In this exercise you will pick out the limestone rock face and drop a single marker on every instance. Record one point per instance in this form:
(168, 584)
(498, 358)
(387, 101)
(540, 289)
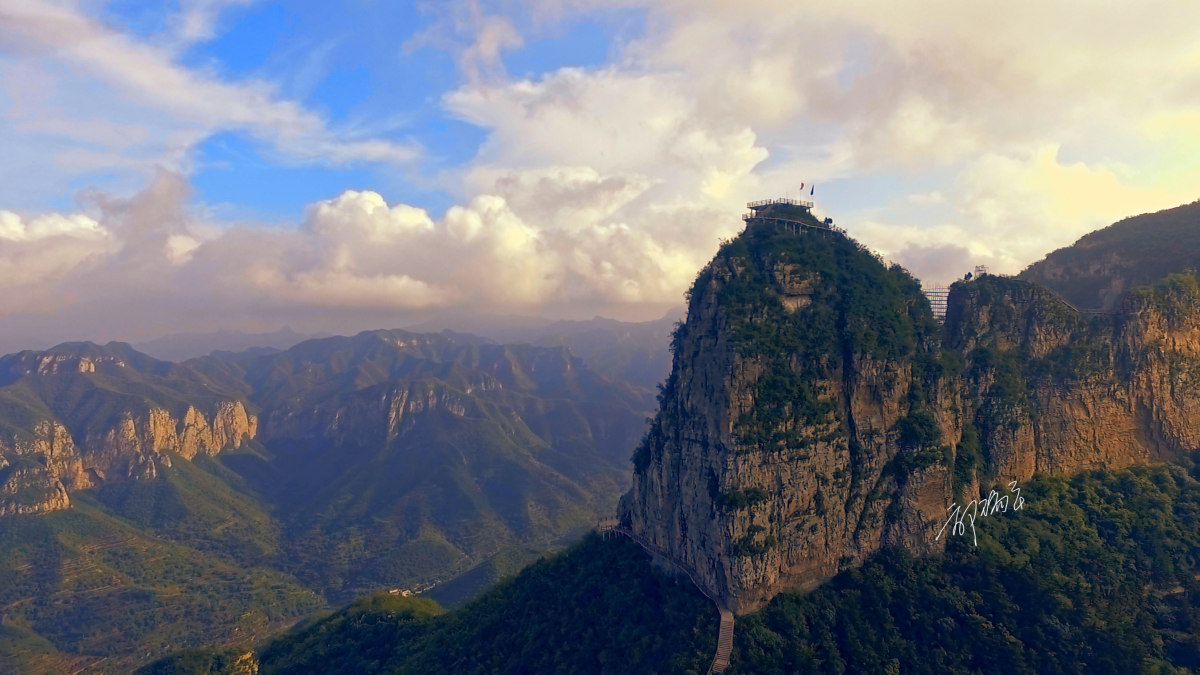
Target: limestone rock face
(135, 446)
(774, 468)
(79, 414)
(39, 470)
(1052, 390)
(813, 415)
(246, 663)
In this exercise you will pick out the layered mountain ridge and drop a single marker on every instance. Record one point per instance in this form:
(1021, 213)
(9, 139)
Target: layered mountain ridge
(815, 413)
(81, 414)
(430, 453)
(388, 459)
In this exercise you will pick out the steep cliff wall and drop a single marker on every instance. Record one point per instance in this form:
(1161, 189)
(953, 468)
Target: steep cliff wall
(814, 414)
(1053, 390)
(38, 470)
(81, 414)
(137, 443)
(796, 433)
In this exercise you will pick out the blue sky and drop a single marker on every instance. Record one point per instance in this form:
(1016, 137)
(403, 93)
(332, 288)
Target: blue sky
(338, 165)
(363, 64)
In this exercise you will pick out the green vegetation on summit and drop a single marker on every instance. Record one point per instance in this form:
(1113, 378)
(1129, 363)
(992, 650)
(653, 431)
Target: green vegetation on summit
(854, 306)
(860, 304)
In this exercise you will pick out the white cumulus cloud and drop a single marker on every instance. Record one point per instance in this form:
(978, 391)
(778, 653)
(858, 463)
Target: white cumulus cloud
(947, 134)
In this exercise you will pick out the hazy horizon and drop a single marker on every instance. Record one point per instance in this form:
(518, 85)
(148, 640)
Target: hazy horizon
(490, 326)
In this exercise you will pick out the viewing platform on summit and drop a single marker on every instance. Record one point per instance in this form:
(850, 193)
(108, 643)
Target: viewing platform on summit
(778, 201)
(795, 215)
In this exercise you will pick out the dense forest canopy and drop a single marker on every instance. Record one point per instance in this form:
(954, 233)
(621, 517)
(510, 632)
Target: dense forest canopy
(1097, 574)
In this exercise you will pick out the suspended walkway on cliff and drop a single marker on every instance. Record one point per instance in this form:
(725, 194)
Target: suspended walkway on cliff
(724, 643)
(720, 662)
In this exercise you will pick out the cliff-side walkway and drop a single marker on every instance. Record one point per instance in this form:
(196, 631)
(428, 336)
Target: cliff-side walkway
(725, 633)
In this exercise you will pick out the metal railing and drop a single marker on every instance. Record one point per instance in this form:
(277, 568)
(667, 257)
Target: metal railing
(799, 223)
(779, 200)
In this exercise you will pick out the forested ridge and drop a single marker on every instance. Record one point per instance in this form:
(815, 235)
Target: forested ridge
(1097, 574)
(1094, 272)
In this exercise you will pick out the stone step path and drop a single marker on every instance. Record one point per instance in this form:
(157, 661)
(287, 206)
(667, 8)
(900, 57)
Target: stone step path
(724, 643)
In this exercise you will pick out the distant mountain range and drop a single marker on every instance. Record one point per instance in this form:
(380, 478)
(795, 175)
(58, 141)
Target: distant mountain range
(339, 465)
(184, 346)
(623, 350)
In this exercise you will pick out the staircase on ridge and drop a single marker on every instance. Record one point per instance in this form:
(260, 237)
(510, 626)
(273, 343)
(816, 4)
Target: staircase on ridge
(724, 643)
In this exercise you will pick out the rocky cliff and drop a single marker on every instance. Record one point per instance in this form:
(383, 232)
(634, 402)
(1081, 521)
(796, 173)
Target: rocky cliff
(137, 443)
(815, 414)
(796, 432)
(38, 470)
(79, 415)
(1048, 389)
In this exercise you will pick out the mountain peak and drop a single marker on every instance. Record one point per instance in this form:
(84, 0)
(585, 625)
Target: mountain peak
(816, 413)
(77, 357)
(774, 455)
